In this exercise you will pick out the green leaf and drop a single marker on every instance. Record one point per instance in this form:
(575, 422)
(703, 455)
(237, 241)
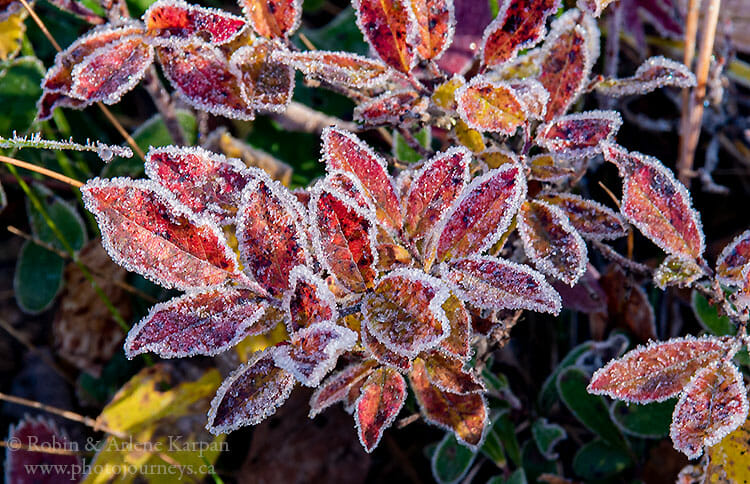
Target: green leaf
(493, 447)
(451, 460)
(647, 421)
(151, 133)
(518, 477)
(534, 463)
(404, 152)
(38, 278)
(340, 34)
(505, 432)
(63, 215)
(709, 316)
(598, 460)
(20, 82)
(548, 394)
(590, 410)
(547, 436)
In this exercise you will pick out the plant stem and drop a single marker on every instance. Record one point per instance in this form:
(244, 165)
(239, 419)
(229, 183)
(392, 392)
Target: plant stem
(42, 171)
(164, 105)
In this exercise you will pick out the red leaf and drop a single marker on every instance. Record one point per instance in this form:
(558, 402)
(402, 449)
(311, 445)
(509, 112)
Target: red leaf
(344, 151)
(440, 181)
(313, 351)
(655, 202)
(551, 242)
(391, 255)
(658, 371)
(391, 30)
(273, 18)
(448, 374)
(580, 134)
(566, 64)
(26, 466)
(533, 96)
(271, 235)
(249, 395)
(207, 183)
(205, 323)
(592, 220)
(51, 100)
(344, 239)
(337, 68)
(202, 75)
(267, 84)
(381, 352)
(519, 25)
(405, 312)
(480, 216)
(594, 7)
(654, 73)
(172, 20)
(464, 415)
(435, 23)
(491, 283)
(458, 341)
(733, 260)
(337, 386)
(713, 405)
(111, 71)
(381, 399)
(397, 108)
(490, 106)
(146, 231)
(308, 301)
(548, 168)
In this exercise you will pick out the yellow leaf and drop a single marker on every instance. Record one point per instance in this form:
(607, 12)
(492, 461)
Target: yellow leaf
(445, 94)
(11, 35)
(728, 460)
(468, 137)
(253, 344)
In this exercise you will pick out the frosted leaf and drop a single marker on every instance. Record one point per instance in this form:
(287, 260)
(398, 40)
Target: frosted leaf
(594, 7)
(170, 20)
(49, 101)
(490, 106)
(392, 108)
(381, 399)
(343, 237)
(551, 242)
(565, 64)
(337, 68)
(495, 157)
(344, 151)
(382, 354)
(458, 342)
(203, 76)
(145, 230)
(654, 73)
(337, 386)
(479, 216)
(111, 70)
(405, 312)
(534, 97)
(313, 351)
(391, 29)
(26, 466)
(273, 18)
(206, 182)
(518, 25)
(434, 187)
(656, 372)
(391, 254)
(492, 283)
(579, 135)
(266, 84)
(659, 205)
(448, 374)
(308, 301)
(444, 95)
(548, 168)
(676, 271)
(272, 238)
(713, 405)
(733, 260)
(249, 395)
(592, 220)
(525, 66)
(464, 415)
(204, 323)
(436, 22)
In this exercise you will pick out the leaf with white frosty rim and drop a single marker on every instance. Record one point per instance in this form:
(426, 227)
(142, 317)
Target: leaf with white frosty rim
(492, 106)
(273, 18)
(338, 68)
(491, 283)
(448, 374)
(655, 72)
(713, 405)
(205, 323)
(580, 134)
(391, 29)
(533, 96)
(266, 84)
(395, 108)
(551, 242)
(436, 23)
(381, 353)
(249, 395)
(658, 371)
(336, 387)
(308, 300)
(381, 399)
(592, 220)
(733, 260)
(405, 311)
(146, 230)
(458, 342)
(170, 21)
(313, 351)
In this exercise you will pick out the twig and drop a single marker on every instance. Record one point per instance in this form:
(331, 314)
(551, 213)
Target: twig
(41, 25)
(299, 117)
(306, 41)
(164, 105)
(414, 143)
(609, 253)
(40, 170)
